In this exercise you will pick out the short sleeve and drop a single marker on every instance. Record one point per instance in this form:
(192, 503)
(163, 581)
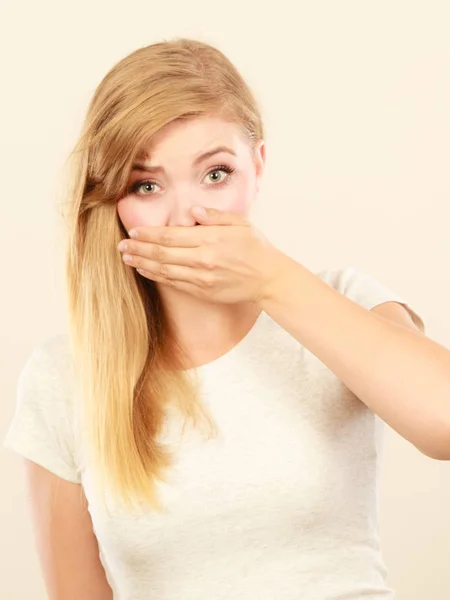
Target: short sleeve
(365, 290)
(42, 429)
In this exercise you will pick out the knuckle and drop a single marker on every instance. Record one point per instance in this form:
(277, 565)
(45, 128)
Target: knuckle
(158, 253)
(163, 270)
(207, 280)
(166, 238)
(207, 262)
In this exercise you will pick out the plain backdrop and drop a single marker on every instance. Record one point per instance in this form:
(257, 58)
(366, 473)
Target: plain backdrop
(355, 96)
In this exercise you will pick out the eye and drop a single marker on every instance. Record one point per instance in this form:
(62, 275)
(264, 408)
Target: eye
(218, 175)
(144, 188)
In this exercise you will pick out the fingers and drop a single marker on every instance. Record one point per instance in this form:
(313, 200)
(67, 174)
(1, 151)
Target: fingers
(174, 275)
(189, 257)
(172, 266)
(165, 273)
(164, 263)
(212, 216)
(183, 286)
(187, 237)
(181, 237)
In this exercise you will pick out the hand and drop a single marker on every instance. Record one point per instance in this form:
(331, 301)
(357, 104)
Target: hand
(223, 259)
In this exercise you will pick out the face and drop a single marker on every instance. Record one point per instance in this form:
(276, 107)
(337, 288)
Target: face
(204, 161)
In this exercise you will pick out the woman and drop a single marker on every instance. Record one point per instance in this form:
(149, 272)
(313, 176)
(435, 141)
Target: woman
(178, 331)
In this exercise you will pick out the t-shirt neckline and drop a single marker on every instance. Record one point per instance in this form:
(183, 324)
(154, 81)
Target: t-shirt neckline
(241, 345)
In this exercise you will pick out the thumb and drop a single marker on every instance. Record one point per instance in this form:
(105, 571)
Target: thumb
(212, 216)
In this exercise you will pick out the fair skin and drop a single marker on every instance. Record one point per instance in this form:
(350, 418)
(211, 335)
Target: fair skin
(381, 355)
(66, 542)
(179, 176)
(214, 280)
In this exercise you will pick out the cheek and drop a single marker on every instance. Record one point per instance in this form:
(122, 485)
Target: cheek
(240, 197)
(134, 213)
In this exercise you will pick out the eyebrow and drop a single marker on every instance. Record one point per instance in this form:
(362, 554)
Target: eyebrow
(197, 161)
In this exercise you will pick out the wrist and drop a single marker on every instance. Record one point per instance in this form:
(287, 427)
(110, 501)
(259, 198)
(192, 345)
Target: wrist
(281, 270)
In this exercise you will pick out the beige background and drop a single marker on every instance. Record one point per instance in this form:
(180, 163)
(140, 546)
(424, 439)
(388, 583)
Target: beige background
(356, 99)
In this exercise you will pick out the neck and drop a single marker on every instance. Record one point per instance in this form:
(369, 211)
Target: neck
(206, 330)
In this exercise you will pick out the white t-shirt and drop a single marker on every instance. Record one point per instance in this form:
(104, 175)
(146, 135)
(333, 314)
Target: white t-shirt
(282, 505)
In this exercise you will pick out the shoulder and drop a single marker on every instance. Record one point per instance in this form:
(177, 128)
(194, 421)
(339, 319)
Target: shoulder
(340, 278)
(49, 365)
(43, 426)
(366, 290)
(54, 349)
(359, 286)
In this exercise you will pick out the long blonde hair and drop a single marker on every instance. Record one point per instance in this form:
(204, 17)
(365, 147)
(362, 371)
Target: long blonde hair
(125, 354)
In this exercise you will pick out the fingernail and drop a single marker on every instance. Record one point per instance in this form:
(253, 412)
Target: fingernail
(133, 233)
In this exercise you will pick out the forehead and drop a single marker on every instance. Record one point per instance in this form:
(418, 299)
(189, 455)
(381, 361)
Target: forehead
(188, 137)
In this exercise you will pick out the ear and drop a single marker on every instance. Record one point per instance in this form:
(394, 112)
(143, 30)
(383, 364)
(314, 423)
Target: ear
(260, 161)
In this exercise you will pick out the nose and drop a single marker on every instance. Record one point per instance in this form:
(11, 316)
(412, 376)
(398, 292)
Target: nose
(180, 212)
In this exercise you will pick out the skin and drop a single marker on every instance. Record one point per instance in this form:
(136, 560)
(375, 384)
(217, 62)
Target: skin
(380, 354)
(215, 279)
(67, 546)
(178, 183)
(65, 540)
(205, 329)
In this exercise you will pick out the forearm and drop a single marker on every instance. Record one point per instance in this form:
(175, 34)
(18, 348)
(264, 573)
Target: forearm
(400, 374)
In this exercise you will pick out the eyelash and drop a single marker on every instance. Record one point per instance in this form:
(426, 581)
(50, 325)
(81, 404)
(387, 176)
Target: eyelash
(229, 170)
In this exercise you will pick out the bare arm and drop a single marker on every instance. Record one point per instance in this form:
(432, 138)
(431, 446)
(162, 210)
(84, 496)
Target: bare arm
(66, 544)
(379, 354)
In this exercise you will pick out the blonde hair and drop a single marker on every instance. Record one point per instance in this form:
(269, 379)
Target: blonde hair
(126, 358)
